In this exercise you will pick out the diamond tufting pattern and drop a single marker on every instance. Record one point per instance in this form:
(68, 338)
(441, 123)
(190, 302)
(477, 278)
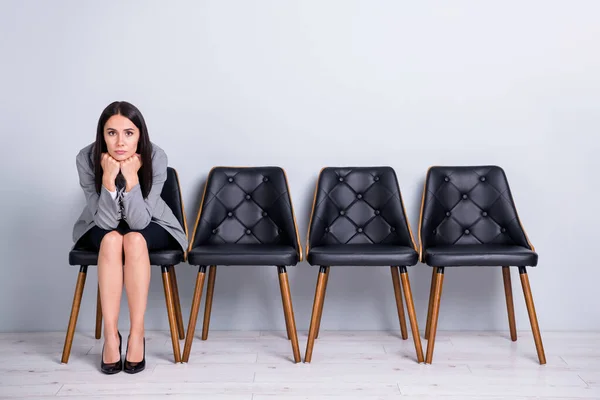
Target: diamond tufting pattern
(358, 219)
(468, 217)
(241, 209)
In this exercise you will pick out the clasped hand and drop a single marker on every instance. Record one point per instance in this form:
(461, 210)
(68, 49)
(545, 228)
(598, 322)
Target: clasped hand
(129, 168)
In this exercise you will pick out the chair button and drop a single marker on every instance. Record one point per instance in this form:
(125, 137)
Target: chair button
(248, 197)
(377, 212)
(264, 213)
(230, 180)
(467, 231)
(448, 213)
(266, 179)
(482, 179)
(342, 212)
(230, 214)
(248, 231)
(326, 229)
(341, 179)
(433, 232)
(214, 231)
(376, 179)
(484, 214)
(359, 196)
(503, 230)
(464, 196)
(393, 229)
(359, 230)
(447, 179)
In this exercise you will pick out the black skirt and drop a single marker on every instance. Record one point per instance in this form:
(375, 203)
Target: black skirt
(157, 238)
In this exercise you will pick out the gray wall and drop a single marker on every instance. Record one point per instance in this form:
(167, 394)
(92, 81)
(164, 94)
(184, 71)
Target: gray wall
(302, 85)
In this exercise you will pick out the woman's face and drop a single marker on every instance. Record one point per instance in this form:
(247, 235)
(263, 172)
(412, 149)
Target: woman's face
(121, 137)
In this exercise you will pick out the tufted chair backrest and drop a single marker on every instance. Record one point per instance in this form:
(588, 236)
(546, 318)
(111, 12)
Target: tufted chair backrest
(246, 206)
(358, 205)
(171, 194)
(469, 205)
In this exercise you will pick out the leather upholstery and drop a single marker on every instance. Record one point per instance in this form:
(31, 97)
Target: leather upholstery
(489, 255)
(363, 254)
(358, 219)
(244, 254)
(171, 194)
(246, 218)
(468, 218)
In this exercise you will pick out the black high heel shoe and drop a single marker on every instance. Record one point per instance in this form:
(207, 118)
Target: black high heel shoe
(112, 368)
(134, 367)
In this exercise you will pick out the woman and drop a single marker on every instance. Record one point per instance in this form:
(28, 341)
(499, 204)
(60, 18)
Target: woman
(122, 176)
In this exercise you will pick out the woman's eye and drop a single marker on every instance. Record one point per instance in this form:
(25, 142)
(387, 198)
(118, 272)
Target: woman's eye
(129, 133)
(111, 133)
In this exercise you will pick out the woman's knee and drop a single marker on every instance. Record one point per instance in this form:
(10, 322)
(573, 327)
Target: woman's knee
(134, 242)
(112, 240)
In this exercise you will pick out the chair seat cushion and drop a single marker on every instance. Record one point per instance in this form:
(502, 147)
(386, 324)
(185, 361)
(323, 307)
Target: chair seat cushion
(243, 254)
(161, 257)
(83, 257)
(487, 255)
(362, 255)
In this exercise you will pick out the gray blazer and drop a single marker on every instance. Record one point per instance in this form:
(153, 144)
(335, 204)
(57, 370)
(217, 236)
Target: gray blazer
(103, 211)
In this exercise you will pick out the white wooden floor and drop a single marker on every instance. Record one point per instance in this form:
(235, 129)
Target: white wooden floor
(345, 366)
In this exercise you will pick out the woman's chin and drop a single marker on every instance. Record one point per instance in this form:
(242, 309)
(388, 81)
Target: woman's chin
(120, 157)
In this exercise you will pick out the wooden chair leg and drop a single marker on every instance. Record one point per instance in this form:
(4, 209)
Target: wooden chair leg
(322, 303)
(178, 316)
(289, 310)
(194, 313)
(319, 295)
(532, 315)
(74, 313)
(98, 315)
(285, 314)
(439, 281)
(210, 290)
(430, 307)
(399, 306)
(509, 303)
(171, 311)
(412, 316)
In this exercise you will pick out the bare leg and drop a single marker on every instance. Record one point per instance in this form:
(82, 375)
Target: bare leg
(137, 284)
(110, 282)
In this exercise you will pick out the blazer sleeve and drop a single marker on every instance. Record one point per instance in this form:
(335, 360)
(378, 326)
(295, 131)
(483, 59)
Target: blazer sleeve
(102, 206)
(139, 211)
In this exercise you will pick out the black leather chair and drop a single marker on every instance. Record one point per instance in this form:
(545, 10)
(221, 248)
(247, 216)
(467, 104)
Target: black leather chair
(469, 218)
(245, 218)
(358, 219)
(167, 259)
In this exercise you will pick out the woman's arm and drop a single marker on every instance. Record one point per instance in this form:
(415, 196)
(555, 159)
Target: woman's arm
(138, 211)
(102, 206)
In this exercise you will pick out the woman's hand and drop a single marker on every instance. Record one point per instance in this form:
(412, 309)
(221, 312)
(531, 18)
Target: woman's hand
(110, 168)
(129, 169)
